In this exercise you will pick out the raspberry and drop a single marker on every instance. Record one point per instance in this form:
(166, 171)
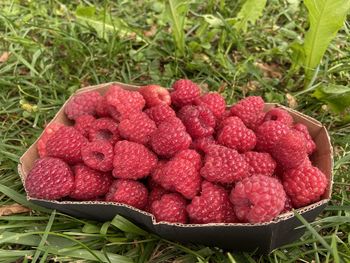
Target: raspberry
(203, 144)
(102, 108)
(198, 120)
(212, 206)
(304, 185)
(250, 111)
(184, 92)
(169, 138)
(260, 163)
(155, 95)
(170, 208)
(213, 101)
(82, 104)
(128, 192)
(160, 113)
(232, 120)
(290, 150)
(224, 165)
(310, 144)
(104, 129)
(268, 134)
(156, 193)
(122, 103)
(83, 124)
(180, 175)
(157, 174)
(237, 136)
(192, 156)
(89, 184)
(45, 136)
(288, 206)
(98, 155)
(138, 127)
(50, 178)
(132, 160)
(258, 199)
(277, 114)
(66, 144)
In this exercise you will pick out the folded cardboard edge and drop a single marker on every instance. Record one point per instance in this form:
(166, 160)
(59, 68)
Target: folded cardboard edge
(278, 219)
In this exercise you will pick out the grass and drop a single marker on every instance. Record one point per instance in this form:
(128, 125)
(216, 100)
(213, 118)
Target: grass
(57, 47)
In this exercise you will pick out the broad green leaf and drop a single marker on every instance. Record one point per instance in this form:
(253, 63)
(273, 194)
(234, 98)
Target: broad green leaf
(126, 226)
(336, 96)
(326, 17)
(250, 12)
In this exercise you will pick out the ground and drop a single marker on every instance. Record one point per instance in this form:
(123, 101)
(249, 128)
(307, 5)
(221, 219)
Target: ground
(49, 49)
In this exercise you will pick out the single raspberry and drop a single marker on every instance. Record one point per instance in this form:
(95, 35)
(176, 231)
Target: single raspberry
(104, 129)
(224, 165)
(128, 192)
(277, 114)
(155, 95)
(121, 103)
(268, 133)
(212, 206)
(155, 194)
(89, 184)
(50, 178)
(249, 110)
(304, 185)
(180, 175)
(290, 150)
(170, 208)
(203, 144)
(45, 136)
(232, 120)
(82, 104)
(98, 155)
(238, 137)
(169, 138)
(226, 114)
(132, 160)
(198, 120)
(260, 163)
(310, 144)
(213, 101)
(66, 144)
(160, 113)
(184, 92)
(192, 156)
(83, 124)
(138, 127)
(102, 108)
(258, 199)
(155, 179)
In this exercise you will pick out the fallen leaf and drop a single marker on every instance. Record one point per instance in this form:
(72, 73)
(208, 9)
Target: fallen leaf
(151, 32)
(6, 210)
(269, 70)
(4, 56)
(251, 85)
(292, 102)
(222, 87)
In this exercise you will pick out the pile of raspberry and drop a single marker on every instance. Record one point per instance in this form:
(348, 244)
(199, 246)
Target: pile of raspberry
(179, 155)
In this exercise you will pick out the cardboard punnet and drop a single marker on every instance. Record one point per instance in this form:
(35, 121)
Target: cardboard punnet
(243, 237)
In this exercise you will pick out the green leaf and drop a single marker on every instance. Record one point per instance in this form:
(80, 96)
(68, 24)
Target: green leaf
(336, 96)
(126, 226)
(326, 17)
(250, 12)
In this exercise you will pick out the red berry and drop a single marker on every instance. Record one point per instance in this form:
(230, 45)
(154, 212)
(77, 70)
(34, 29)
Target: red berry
(310, 144)
(268, 134)
(155, 194)
(155, 180)
(184, 92)
(83, 124)
(288, 206)
(250, 111)
(212, 206)
(281, 115)
(98, 155)
(192, 156)
(83, 103)
(213, 101)
(121, 103)
(260, 163)
(50, 178)
(203, 144)
(232, 120)
(258, 199)
(102, 108)
(89, 184)
(198, 120)
(304, 185)
(170, 208)
(128, 192)
(160, 113)
(138, 127)
(104, 129)
(132, 160)
(224, 165)
(66, 144)
(155, 95)
(45, 136)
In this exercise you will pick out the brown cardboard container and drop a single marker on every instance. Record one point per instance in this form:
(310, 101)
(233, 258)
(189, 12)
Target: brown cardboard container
(241, 237)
